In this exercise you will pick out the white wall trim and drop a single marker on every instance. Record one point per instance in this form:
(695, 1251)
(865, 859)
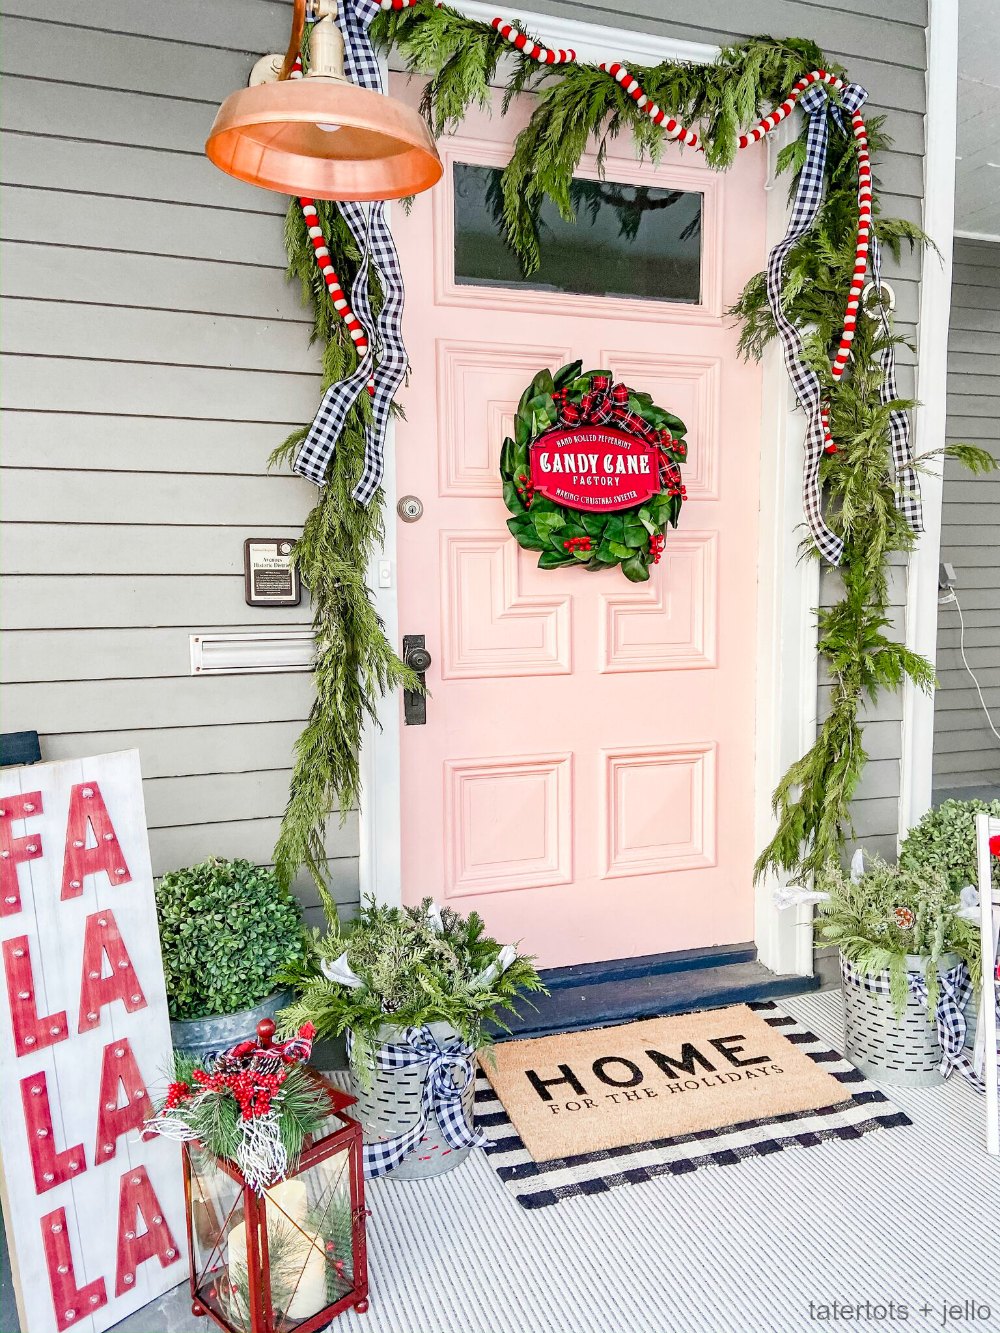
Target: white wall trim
(787, 595)
(380, 858)
(380, 854)
(940, 125)
(594, 42)
(978, 236)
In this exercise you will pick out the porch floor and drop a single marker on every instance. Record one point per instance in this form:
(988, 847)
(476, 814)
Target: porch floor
(904, 1214)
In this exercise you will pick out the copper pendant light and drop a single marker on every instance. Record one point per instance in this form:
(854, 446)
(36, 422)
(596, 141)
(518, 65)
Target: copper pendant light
(321, 135)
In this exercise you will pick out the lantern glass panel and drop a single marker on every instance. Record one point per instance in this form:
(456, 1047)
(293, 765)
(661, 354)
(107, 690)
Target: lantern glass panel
(216, 1208)
(309, 1262)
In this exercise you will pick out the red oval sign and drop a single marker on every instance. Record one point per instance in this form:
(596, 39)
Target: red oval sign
(594, 467)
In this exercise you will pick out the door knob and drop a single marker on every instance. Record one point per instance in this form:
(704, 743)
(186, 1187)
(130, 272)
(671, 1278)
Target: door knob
(418, 659)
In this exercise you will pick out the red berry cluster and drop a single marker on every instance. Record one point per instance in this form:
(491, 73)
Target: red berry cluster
(577, 543)
(525, 489)
(252, 1088)
(656, 545)
(677, 488)
(177, 1093)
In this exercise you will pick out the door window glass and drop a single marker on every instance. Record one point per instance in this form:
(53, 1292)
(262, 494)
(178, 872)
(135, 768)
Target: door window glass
(638, 241)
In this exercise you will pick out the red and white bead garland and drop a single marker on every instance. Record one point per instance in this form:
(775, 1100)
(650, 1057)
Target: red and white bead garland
(326, 268)
(325, 265)
(675, 130)
(672, 128)
(531, 49)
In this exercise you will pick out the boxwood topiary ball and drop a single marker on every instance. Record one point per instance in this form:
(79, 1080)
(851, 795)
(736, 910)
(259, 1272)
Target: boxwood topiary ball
(226, 928)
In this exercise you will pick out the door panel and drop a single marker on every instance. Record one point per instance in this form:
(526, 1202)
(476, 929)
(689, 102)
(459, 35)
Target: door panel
(584, 778)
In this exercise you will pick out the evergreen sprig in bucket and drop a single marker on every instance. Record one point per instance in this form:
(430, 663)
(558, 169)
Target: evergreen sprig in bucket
(417, 991)
(900, 938)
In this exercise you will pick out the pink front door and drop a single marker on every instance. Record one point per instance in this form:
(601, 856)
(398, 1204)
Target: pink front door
(584, 779)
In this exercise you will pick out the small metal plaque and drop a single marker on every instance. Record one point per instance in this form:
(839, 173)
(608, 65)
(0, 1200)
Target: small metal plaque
(269, 578)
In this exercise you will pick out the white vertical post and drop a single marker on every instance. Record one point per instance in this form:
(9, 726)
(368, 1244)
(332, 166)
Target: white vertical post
(380, 853)
(940, 125)
(786, 657)
(985, 826)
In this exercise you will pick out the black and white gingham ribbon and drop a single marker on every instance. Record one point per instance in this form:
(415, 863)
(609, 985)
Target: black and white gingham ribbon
(385, 361)
(805, 381)
(907, 485)
(955, 989)
(450, 1073)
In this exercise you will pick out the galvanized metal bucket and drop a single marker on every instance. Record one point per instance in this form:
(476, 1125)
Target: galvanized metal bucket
(391, 1105)
(205, 1037)
(903, 1050)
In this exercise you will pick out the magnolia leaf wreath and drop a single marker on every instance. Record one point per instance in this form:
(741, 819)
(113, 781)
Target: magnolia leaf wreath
(632, 537)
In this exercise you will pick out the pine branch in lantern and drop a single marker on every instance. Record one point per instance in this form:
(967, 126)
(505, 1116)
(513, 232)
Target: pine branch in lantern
(330, 1230)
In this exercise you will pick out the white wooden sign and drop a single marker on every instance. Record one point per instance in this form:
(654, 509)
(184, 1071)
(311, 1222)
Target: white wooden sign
(94, 1210)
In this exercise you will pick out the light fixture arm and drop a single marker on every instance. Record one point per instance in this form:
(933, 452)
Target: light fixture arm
(295, 38)
(326, 46)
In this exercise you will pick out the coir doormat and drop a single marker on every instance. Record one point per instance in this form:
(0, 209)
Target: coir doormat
(664, 1097)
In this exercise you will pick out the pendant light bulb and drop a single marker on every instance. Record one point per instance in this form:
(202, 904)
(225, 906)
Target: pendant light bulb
(321, 135)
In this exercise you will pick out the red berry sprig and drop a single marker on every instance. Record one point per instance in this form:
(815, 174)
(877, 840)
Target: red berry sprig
(656, 544)
(252, 1088)
(177, 1093)
(525, 489)
(577, 543)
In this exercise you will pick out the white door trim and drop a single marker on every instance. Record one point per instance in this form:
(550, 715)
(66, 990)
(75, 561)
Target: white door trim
(785, 718)
(787, 595)
(932, 385)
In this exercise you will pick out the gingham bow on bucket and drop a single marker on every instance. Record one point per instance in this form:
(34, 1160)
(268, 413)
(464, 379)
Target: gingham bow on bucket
(450, 1072)
(955, 989)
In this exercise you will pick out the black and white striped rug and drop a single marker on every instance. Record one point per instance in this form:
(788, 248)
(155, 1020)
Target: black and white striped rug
(538, 1184)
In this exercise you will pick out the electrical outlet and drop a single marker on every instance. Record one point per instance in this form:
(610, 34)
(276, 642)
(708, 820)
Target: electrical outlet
(946, 576)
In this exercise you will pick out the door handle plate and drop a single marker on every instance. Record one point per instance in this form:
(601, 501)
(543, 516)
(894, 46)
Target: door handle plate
(414, 702)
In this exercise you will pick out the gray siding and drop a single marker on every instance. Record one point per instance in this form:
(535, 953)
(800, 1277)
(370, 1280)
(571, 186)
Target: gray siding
(966, 754)
(155, 356)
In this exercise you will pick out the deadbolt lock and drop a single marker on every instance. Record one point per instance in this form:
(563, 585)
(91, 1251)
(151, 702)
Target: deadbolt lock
(410, 508)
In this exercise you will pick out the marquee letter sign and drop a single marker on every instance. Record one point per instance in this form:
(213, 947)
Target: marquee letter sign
(592, 476)
(94, 1212)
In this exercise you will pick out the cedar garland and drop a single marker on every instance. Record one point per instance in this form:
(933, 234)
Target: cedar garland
(355, 664)
(577, 103)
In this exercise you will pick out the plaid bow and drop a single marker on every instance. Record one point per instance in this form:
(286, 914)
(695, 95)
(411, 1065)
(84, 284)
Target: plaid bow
(604, 404)
(368, 226)
(955, 990)
(450, 1073)
(296, 1050)
(805, 381)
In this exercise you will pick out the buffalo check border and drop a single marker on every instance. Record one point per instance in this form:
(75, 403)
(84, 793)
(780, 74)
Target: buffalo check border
(539, 1184)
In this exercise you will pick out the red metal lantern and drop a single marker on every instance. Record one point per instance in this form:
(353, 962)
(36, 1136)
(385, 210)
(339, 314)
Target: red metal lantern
(292, 1257)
